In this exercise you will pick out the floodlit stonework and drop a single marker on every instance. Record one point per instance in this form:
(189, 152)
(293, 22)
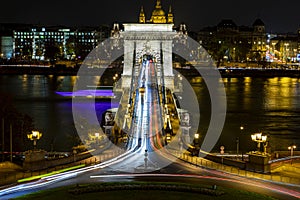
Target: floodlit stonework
(149, 39)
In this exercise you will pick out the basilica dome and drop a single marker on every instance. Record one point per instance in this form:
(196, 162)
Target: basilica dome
(158, 15)
(158, 12)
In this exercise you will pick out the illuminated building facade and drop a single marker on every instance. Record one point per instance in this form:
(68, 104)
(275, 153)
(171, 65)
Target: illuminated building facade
(6, 43)
(47, 43)
(6, 40)
(259, 40)
(229, 42)
(284, 48)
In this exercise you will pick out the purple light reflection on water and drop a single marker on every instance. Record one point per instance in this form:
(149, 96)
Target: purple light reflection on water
(87, 109)
(84, 93)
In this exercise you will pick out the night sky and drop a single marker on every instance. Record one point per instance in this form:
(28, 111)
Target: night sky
(279, 16)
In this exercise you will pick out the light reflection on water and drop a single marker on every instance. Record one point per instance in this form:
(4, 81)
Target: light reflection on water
(270, 105)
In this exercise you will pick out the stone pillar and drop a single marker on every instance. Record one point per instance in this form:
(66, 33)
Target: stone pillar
(128, 57)
(258, 162)
(35, 160)
(167, 58)
(128, 63)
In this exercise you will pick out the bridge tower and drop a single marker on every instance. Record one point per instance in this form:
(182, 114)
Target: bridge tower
(150, 39)
(154, 37)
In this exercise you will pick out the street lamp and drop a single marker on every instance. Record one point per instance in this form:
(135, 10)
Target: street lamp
(196, 138)
(238, 141)
(34, 135)
(259, 138)
(115, 79)
(97, 137)
(291, 148)
(241, 128)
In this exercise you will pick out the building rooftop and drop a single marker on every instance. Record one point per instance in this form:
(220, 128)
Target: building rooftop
(258, 22)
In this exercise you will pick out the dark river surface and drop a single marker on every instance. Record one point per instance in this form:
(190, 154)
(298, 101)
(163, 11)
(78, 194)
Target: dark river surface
(268, 105)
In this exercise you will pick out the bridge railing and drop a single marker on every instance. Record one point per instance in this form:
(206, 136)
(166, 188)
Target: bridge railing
(202, 162)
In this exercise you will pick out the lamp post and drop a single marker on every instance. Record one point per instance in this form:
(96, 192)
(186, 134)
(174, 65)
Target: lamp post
(237, 146)
(196, 139)
(115, 79)
(238, 142)
(97, 137)
(291, 148)
(259, 138)
(34, 135)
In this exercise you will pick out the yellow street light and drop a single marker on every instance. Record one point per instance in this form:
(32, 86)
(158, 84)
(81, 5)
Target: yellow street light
(97, 137)
(291, 148)
(259, 138)
(196, 139)
(238, 143)
(34, 135)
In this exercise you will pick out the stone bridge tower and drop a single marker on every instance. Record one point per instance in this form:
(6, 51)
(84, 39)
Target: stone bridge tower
(153, 36)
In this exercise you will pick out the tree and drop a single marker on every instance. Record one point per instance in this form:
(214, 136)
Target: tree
(52, 51)
(21, 124)
(70, 46)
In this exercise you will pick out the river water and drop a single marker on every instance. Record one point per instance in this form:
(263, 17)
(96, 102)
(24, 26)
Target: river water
(268, 105)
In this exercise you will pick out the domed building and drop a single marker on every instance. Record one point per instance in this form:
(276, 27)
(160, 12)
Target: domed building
(158, 15)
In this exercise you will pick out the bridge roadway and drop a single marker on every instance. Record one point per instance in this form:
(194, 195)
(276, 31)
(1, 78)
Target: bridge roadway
(147, 123)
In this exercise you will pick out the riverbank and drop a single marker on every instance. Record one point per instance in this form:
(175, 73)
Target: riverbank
(187, 72)
(241, 72)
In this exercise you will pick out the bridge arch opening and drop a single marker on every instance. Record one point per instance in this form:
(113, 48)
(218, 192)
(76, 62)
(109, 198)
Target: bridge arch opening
(148, 57)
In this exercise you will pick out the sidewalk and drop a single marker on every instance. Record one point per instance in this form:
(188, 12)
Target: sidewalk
(285, 174)
(10, 173)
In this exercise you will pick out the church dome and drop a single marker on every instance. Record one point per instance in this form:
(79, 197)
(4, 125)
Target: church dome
(158, 12)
